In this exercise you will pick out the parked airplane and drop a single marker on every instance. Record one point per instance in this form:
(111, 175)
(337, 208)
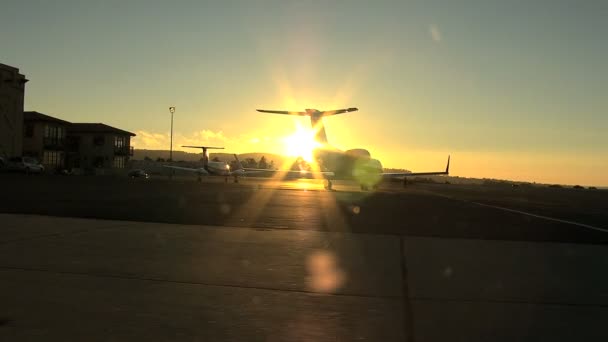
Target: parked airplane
(351, 164)
(212, 168)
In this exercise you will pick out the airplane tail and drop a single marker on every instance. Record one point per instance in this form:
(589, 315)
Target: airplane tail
(316, 122)
(238, 162)
(205, 148)
(316, 119)
(205, 155)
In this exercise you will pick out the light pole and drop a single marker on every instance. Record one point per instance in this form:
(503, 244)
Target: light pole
(171, 110)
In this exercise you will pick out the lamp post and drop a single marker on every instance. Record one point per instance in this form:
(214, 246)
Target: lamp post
(171, 110)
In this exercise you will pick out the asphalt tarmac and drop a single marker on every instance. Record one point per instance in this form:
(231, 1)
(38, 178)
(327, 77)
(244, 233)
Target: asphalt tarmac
(116, 259)
(438, 210)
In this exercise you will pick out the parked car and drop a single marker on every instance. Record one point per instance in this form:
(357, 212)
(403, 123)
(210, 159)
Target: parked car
(138, 173)
(25, 164)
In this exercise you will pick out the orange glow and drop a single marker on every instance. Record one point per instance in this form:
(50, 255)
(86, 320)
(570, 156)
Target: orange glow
(325, 275)
(301, 143)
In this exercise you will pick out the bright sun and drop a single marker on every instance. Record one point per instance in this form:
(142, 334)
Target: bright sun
(301, 143)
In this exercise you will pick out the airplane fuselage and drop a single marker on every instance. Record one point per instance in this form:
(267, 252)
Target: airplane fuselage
(354, 164)
(218, 168)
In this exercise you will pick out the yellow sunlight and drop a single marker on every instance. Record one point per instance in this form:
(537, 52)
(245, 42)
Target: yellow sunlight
(301, 143)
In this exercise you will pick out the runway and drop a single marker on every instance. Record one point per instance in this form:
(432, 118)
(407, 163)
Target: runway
(99, 280)
(449, 211)
(102, 258)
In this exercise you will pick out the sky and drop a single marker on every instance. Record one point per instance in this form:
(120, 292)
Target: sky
(511, 89)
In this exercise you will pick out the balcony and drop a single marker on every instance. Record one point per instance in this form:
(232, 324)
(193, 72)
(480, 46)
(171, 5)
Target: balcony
(123, 151)
(53, 143)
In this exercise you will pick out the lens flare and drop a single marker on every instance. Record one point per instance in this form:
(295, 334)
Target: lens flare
(301, 143)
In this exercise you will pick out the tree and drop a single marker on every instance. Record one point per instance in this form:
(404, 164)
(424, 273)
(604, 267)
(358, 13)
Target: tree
(271, 165)
(251, 163)
(262, 164)
(159, 159)
(146, 158)
(300, 164)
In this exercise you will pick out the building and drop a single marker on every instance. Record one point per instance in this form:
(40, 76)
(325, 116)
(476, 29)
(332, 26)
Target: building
(54, 142)
(12, 91)
(92, 146)
(44, 138)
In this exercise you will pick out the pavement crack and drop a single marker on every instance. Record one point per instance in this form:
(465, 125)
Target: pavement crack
(184, 282)
(507, 301)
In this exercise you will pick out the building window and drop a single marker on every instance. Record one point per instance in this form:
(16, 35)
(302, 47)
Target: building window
(119, 162)
(53, 135)
(120, 142)
(51, 132)
(52, 158)
(29, 130)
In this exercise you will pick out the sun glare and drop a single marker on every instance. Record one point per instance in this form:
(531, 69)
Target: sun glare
(301, 143)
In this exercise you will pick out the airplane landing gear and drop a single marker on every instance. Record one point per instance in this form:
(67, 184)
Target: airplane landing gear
(328, 185)
(365, 187)
(236, 179)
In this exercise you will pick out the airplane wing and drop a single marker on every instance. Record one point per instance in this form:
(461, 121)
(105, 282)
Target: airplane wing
(285, 112)
(243, 172)
(339, 111)
(293, 172)
(248, 170)
(414, 174)
(199, 170)
(206, 147)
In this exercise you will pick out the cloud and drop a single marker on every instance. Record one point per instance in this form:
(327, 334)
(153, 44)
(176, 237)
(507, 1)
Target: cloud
(161, 141)
(208, 135)
(435, 33)
(249, 142)
(150, 141)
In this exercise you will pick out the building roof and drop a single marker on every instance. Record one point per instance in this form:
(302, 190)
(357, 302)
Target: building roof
(75, 127)
(11, 75)
(35, 116)
(8, 67)
(96, 128)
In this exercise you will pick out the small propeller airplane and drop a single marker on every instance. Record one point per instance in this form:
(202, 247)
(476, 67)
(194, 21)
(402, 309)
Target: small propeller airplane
(354, 164)
(213, 168)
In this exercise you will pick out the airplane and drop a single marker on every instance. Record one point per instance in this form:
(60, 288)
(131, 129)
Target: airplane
(212, 168)
(351, 164)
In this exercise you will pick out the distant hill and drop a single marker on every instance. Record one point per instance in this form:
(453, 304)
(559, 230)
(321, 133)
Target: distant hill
(387, 169)
(155, 154)
(196, 156)
(228, 157)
